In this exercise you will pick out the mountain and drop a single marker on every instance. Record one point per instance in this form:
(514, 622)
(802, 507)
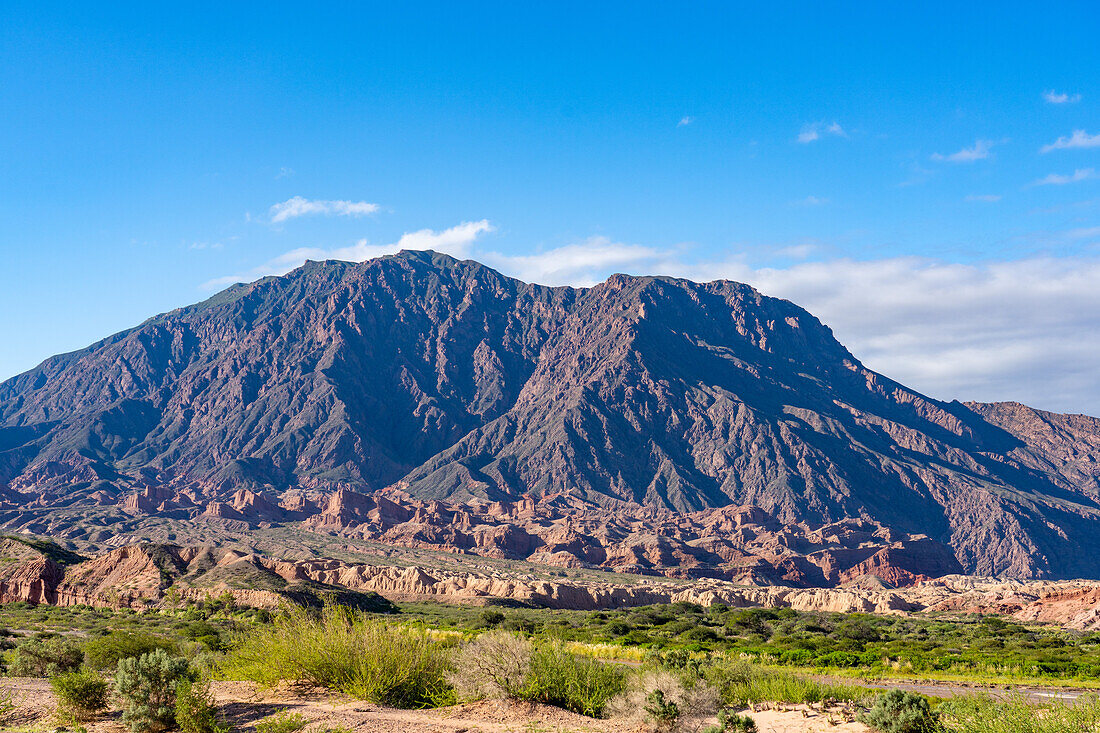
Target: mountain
(442, 380)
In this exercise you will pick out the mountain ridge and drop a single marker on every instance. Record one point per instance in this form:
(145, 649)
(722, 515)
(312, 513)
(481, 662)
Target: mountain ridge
(445, 380)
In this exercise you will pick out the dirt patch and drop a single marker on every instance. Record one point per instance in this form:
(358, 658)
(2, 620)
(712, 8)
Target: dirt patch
(243, 705)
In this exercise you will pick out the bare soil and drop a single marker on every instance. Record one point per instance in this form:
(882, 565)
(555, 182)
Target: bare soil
(243, 705)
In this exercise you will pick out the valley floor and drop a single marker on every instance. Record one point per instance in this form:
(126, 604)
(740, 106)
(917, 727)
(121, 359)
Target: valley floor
(242, 705)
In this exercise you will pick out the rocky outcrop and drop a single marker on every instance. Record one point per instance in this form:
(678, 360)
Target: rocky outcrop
(148, 576)
(734, 543)
(444, 380)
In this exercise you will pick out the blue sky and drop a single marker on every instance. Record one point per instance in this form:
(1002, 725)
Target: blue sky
(925, 180)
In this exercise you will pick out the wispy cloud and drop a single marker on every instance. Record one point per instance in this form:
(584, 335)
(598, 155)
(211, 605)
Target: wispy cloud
(1079, 139)
(1060, 97)
(1055, 179)
(582, 264)
(816, 130)
(812, 201)
(980, 151)
(1084, 233)
(456, 241)
(988, 198)
(298, 206)
(685, 121)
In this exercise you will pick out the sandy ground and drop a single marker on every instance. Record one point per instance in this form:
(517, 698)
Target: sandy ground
(242, 705)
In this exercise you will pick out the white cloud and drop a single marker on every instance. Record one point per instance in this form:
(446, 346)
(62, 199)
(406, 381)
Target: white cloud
(1079, 139)
(1060, 97)
(816, 130)
(990, 331)
(980, 151)
(812, 201)
(582, 264)
(1055, 179)
(797, 251)
(685, 121)
(297, 206)
(455, 241)
(988, 198)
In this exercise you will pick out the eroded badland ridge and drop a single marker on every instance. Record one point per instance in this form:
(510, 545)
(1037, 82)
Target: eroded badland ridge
(644, 425)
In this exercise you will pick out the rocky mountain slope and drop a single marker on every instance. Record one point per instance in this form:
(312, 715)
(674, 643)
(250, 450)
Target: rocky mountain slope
(436, 379)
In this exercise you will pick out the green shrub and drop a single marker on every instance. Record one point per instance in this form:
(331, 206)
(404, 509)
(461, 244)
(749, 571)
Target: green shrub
(80, 694)
(491, 617)
(661, 712)
(45, 657)
(146, 685)
(195, 709)
(896, 711)
(342, 650)
(581, 684)
(106, 651)
(732, 723)
(282, 722)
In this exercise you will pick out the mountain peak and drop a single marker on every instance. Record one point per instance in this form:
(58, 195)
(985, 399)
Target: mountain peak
(443, 379)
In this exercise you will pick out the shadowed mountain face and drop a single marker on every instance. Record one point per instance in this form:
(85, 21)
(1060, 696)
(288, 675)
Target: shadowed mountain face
(446, 380)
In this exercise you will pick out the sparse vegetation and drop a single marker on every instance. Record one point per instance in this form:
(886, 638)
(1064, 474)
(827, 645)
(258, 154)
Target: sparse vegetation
(666, 702)
(741, 684)
(104, 652)
(7, 705)
(981, 714)
(146, 686)
(45, 657)
(732, 723)
(195, 709)
(282, 722)
(896, 711)
(696, 661)
(82, 695)
(495, 664)
(563, 679)
(342, 650)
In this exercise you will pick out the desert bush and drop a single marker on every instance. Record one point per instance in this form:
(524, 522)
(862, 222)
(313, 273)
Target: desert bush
(730, 722)
(663, 714)
(282, 722)
(494, 664)
(146, 685)
(342, 650)
(105, 652)
(664, 702)
(45, 657)
(896, 711)
(581, 684)
(81, 695)
(505, 665)
(982, 714)
(195, 709)
(740, 684)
